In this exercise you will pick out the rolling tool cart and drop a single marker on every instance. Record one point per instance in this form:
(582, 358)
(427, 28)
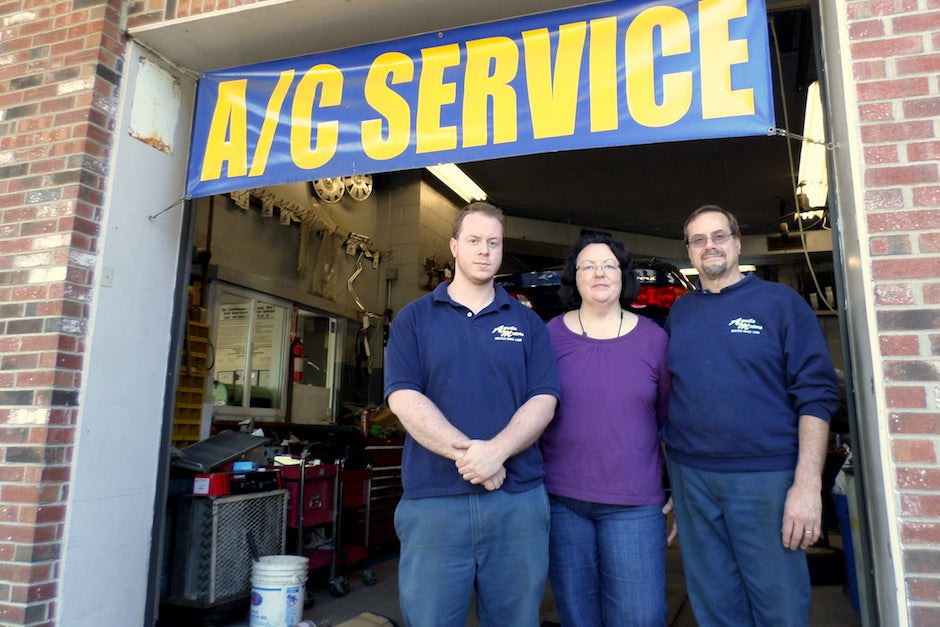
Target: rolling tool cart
(355, 489)
(337, 501)
(312, 513)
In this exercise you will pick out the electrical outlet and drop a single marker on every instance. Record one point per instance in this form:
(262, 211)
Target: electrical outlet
(107, 276)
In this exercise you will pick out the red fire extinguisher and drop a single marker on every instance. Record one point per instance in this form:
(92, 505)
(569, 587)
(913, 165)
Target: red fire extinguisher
(297, 360)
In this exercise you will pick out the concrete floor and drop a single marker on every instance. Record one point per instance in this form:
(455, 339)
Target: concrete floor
(831, 606)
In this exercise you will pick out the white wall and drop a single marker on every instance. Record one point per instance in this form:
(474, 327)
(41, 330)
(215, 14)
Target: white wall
(418, 221)
(120, 420)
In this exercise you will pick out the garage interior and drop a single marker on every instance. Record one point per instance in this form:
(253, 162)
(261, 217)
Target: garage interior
(645, 191)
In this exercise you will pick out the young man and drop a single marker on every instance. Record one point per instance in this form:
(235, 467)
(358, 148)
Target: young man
(753, 388)
(470, 373)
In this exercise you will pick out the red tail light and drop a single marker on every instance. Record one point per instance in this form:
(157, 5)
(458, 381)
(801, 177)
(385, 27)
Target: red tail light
(658, 296)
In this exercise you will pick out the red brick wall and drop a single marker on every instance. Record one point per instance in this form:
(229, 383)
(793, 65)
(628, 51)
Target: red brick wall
(59, 74)
(895, 53)
(60, 70)
(155, 11)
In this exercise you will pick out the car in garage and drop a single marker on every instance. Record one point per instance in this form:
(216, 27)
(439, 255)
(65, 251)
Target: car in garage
(660, 284)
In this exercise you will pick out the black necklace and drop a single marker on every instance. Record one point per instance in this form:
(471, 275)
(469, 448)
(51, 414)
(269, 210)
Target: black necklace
(584, 333)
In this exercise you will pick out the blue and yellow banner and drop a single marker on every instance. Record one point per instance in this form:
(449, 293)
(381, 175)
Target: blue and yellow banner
(609, 74)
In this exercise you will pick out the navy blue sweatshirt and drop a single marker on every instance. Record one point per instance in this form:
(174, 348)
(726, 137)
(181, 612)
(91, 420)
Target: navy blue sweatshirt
(746, 363)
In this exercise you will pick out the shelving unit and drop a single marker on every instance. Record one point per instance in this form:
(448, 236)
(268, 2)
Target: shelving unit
(194, 363)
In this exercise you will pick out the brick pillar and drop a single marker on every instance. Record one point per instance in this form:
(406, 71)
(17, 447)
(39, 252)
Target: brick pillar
(895, 53)
(60, 65)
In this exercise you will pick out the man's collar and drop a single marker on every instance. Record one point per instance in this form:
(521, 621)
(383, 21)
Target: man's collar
(747, 278)
(501, 298)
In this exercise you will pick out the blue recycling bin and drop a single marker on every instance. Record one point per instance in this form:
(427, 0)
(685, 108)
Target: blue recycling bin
(841, 503)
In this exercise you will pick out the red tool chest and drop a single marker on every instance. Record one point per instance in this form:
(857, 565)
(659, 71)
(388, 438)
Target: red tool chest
(319, 486)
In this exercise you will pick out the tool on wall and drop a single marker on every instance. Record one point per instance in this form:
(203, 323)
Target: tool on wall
(359, 244)
(437, 270)
(356, 242)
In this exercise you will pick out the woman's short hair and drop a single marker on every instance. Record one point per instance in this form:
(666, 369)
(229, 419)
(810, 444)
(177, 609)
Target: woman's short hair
(568, 292)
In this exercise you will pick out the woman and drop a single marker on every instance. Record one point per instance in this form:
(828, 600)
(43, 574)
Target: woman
(603, 462)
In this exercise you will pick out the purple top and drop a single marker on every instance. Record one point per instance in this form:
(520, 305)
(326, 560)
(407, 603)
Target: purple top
(603, 445)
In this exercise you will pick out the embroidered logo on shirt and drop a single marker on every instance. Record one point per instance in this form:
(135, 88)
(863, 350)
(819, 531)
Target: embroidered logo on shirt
(505, 333)
(746, 325)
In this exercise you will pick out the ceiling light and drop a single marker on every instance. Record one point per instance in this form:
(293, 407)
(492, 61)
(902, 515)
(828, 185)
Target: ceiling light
(813, 175)
(455, 178)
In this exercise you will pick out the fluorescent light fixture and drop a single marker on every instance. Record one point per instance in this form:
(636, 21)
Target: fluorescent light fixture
(455, 178)
(813, 174)
(694, 272)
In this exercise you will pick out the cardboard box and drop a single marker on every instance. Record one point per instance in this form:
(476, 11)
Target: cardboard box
(310, 404)
(367, 619)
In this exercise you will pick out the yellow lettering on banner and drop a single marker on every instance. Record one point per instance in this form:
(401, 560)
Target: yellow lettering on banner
(480, 86)
(229, 119)
(388, 103)
(602, 70)
(271, 115)
(553, 97)
(434, 93)
(330, 81)
(719, 53)
(641, 75)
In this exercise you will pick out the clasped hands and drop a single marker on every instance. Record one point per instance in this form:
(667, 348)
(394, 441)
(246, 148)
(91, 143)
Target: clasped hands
(480, 463)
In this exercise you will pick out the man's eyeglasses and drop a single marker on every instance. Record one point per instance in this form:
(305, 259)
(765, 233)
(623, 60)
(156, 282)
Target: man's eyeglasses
(719, 238)
(590, 268)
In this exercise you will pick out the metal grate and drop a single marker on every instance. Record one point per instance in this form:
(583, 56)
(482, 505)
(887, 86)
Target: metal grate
(212, 560)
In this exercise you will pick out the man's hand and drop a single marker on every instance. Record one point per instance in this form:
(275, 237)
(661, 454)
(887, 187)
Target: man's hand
(802, 511)
(479, 462)
(674, 531)
(496, 481)
(802, 516)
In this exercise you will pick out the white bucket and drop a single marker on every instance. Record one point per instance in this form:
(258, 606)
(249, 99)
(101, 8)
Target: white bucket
(278, 586)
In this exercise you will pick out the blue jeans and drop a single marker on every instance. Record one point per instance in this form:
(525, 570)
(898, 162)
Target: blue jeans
(607, 563)
(493, 542)
(737, 571)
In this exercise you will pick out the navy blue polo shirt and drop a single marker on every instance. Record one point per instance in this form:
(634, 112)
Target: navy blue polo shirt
(478, 370)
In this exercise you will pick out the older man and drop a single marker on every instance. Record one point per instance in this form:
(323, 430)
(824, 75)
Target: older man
(753, 388)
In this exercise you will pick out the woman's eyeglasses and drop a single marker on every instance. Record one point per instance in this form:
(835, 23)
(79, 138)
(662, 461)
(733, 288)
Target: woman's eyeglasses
(719, 238)
(590, 268)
